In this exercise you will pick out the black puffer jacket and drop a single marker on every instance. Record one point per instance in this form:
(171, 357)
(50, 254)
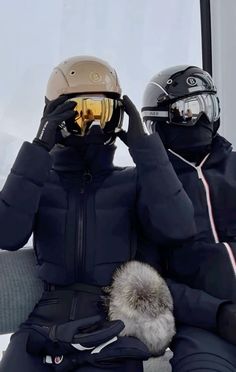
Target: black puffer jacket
(208, 261)
(85, 218)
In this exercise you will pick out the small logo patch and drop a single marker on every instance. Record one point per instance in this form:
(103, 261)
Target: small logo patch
(58, 359)
(191, 81)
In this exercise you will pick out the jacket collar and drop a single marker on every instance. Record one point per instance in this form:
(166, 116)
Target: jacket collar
(221, 148)
(70, 159)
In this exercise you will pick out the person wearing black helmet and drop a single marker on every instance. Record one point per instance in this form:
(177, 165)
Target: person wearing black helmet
(202, 272)
(85, 215)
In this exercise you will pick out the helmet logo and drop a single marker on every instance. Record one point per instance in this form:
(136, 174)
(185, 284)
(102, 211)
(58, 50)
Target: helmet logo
(191, 81)
(95, 77)
(170, 81)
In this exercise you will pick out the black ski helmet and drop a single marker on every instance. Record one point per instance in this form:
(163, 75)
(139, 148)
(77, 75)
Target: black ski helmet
(174, 88)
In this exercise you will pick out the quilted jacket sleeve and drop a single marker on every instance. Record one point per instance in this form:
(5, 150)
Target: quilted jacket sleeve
(19, 198)
(164, 209)
(194, 307)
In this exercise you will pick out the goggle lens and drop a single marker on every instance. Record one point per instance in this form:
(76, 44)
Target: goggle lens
(93, 109)
(186, 111)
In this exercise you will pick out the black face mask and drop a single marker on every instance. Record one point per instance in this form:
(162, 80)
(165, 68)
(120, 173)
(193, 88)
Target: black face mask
(90, 146)
(95, 136)
(193, 143)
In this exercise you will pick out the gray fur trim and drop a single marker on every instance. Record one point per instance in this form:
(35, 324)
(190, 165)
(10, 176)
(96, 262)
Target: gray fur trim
(139, 296)
(160, 364)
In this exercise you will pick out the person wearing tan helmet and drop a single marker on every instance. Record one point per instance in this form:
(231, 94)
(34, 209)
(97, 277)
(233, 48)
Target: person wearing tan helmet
(88, 217)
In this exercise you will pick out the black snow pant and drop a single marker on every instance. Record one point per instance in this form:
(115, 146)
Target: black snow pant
(55, 307)
(198, 350)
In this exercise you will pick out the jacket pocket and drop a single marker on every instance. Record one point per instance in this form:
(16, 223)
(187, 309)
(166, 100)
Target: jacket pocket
(48, 301)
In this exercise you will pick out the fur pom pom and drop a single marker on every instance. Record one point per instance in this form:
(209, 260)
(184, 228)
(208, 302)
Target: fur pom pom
(139, 296)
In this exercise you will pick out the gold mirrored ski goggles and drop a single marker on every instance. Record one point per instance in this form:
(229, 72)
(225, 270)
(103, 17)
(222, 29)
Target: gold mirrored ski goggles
(91, 109)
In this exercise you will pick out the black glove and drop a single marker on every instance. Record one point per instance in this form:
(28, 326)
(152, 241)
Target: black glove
(226, 322)
(135, 128)
(87, 333)
(107, 356)
(93, 341)
(55, 112)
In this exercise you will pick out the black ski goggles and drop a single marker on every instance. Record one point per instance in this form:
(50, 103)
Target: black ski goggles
(186, 111)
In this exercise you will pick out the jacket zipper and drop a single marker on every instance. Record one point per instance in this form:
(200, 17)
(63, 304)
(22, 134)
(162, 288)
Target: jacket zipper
(208, 200)
(87, 178)
(209, 207)
(207, 191)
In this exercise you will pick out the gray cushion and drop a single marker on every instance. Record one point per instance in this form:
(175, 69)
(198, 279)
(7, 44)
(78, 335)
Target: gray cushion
(20, 288)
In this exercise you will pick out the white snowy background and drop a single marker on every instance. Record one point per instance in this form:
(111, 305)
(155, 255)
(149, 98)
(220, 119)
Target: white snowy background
(137, 37)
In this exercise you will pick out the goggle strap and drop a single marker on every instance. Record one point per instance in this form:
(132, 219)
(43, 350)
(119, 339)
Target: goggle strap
(154, 113)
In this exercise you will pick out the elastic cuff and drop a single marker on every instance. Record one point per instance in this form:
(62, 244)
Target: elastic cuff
(42, 144)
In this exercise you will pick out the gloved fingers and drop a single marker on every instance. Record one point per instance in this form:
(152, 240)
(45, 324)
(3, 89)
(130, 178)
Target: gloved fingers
(67, 106)
(129, 107)
(106, 332)
(66, 331)
(136, 128)
(63, 116)
(51, 105)
(55, 124)
(123, 347)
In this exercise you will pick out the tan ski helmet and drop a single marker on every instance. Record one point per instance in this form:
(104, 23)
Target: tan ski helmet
(82, 74)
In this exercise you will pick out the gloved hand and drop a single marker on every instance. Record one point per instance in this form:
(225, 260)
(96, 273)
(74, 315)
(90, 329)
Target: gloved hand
(92, 340)
(55, 112)
(136, 127)
(107, 355)
(83, 334)
(226, 322)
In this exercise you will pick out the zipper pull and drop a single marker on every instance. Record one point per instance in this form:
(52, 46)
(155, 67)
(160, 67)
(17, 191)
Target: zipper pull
(199, 172)
(87, 179)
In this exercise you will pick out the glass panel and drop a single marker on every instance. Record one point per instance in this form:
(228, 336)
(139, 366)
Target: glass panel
(137, 37)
